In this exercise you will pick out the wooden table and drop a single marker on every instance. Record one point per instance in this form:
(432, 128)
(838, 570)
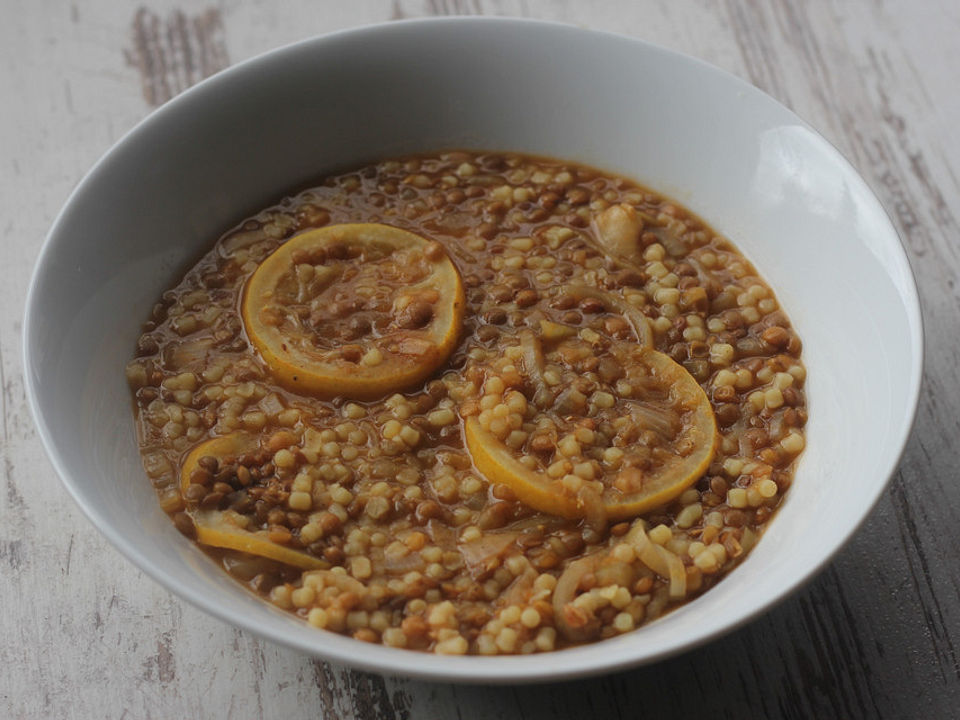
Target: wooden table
(877, 635)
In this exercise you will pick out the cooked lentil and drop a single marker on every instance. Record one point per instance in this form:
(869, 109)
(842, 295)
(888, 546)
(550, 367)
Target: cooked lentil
(401, 539)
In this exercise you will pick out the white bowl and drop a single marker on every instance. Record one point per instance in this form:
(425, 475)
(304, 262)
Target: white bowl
(240, 140)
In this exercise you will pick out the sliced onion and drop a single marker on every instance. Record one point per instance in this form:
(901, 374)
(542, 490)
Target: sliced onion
(518, 593)
(647, 550)
(246, 567)
(579, 626)
(242, 239)
(663, 562)
(189, 353)
(617, 230)
(674, 246)
(638, 321)
(552, 331)
(402, 565)
(342, 581)
(442, 535)
(662, 421)
(594, 512)
(272, 405)
(702, 274)
(533, 361)
(477, 553)
(677, 573)
(564, 594)
(538, 521)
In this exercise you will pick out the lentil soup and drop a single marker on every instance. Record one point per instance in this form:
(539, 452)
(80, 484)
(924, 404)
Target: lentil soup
(471, 403)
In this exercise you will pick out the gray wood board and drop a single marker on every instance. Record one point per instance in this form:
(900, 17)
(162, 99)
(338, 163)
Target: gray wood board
(84, 634)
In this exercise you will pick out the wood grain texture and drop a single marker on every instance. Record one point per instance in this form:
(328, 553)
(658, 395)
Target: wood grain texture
(174, 53)
(83, 634)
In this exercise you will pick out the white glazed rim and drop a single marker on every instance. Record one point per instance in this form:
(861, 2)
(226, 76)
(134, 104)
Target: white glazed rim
(575, 662)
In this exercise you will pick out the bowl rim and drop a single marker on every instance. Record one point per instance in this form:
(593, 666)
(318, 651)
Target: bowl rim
(467, 669)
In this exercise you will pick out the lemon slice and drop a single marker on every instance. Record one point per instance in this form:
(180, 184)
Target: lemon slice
(226, 528)
(356, 310)
(621, 430)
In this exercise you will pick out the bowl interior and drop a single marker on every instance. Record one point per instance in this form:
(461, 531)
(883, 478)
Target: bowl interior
(241, 140)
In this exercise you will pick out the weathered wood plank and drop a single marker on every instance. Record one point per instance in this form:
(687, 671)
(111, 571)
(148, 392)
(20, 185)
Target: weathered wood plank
(875, 636)
(174, 53)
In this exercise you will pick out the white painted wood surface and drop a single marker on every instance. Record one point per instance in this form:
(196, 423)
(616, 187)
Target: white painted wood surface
(84, 634)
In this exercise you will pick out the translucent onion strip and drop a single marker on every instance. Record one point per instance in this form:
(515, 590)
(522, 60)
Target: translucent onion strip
(638, 321)
(574, 623)
(663, 562)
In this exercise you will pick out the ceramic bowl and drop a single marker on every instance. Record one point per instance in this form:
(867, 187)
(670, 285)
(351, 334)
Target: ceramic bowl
(240, 140)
